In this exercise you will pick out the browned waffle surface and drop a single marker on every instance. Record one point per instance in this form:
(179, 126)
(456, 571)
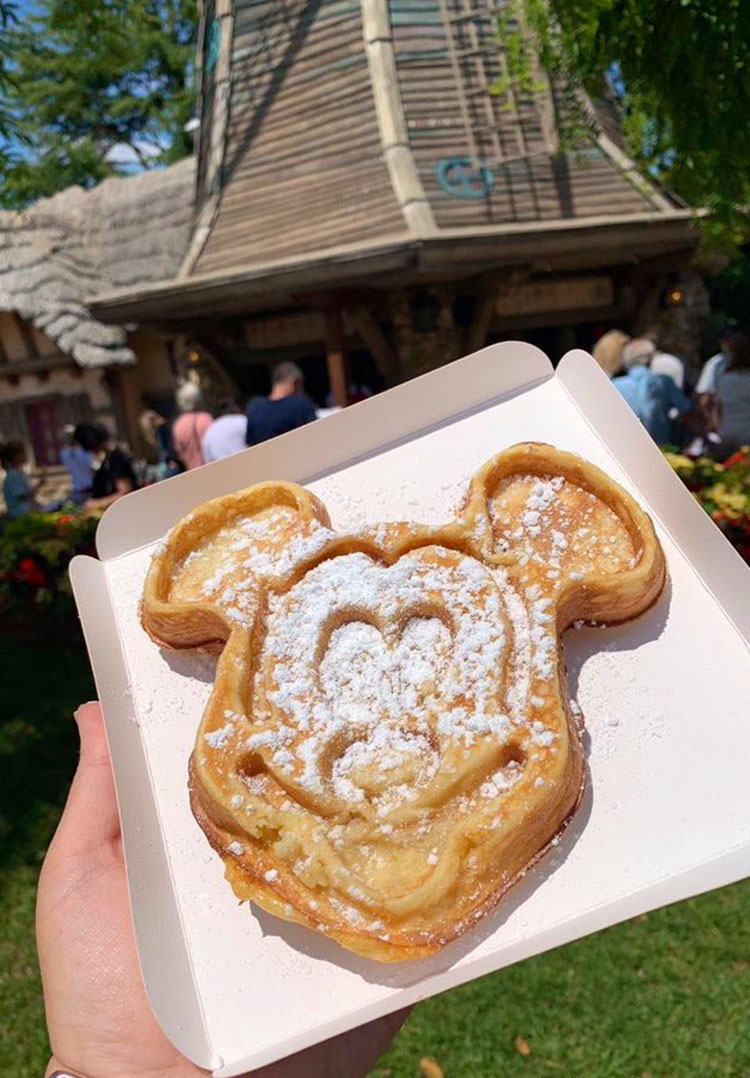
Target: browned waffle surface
(388, 745)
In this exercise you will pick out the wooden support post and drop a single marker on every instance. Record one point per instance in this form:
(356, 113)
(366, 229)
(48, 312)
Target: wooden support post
(376, 341)
(121, 406)
(28, 337)
(336, 357)
(480, 323)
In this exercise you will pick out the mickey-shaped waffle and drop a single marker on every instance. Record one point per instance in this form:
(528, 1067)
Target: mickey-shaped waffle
(389, 745)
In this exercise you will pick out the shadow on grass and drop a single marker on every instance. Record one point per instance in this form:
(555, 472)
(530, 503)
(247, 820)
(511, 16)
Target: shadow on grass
(38, 745)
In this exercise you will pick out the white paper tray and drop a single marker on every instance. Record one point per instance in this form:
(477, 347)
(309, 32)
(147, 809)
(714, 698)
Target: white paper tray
(665, 700)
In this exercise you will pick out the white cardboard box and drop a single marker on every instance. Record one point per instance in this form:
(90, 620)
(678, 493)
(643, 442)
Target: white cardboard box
(665, 699)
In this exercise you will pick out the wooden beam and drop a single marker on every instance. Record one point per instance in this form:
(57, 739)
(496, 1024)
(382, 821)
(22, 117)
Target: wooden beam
(33, 366)
(375, 340)
(480, 322)
(389, 109)
(336, 358)
(627, 166)
(28, 337)
(214, 151)
(458, 78)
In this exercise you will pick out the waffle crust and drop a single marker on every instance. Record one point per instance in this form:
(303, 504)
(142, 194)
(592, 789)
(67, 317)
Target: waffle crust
(389, 744)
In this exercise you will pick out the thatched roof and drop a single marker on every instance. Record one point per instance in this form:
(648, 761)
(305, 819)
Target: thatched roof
(121, 234)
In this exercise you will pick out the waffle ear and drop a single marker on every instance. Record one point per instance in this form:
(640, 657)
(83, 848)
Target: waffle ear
(217, 563)
(545, 509)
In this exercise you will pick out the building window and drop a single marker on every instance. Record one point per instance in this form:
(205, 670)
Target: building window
(45, 430)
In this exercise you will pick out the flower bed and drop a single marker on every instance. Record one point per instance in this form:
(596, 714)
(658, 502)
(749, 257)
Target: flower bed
(723, 490)
(36, 599)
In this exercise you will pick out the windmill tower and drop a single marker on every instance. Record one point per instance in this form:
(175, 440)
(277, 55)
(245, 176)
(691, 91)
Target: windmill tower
(355, 162)
(330, 122)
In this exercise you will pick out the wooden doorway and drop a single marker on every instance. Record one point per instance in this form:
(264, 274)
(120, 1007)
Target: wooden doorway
(44, 424)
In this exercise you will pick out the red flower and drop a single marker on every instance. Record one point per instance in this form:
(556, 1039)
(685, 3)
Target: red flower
(736, 458)
(67, 519)
(32, 573)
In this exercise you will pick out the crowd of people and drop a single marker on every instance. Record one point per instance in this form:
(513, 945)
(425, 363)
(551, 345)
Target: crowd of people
(198, 437)
(101, 471)
(711, 417)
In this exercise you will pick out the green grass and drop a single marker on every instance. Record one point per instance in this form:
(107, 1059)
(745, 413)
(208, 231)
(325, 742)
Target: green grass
(666, 995)
(38, 748)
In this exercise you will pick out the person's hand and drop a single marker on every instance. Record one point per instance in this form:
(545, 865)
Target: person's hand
(99, 1019)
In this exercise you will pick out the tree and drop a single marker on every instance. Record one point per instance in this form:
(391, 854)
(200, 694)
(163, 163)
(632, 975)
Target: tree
(8, 19)
(679, 71)
(95, 88)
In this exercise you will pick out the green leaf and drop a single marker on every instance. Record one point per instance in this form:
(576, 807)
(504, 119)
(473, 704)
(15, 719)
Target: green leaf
(679, 74)
(83, 77)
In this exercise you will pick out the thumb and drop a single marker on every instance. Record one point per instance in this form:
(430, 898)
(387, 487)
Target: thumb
(90, 819)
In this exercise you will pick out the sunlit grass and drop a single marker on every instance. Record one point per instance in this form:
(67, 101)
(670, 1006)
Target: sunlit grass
(667, 995)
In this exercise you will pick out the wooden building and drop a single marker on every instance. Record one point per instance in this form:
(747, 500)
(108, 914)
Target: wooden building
(366, 199)
(362, 200)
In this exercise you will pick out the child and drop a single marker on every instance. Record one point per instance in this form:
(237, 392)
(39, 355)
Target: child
(80, 466)
(114, 475)
(18, 490)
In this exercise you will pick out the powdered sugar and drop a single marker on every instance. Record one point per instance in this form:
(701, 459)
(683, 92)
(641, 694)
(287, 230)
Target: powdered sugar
(375, 680)
(219, 739)
(561, 527)
(248, 551)
(544, 492)
(417, 648)
(278, 561)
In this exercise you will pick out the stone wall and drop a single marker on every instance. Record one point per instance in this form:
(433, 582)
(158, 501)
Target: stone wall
(425, 333)
(678, 328)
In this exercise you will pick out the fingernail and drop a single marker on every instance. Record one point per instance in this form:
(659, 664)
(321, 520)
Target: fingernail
(80, 708)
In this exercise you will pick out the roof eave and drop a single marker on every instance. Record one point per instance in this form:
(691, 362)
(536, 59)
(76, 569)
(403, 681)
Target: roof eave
(632, 237)
(227, 292)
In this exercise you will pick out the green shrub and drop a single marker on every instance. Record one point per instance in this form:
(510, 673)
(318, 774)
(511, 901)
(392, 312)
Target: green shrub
(35, 551)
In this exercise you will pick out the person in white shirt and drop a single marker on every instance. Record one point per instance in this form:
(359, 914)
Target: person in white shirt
(733, 391)
(718, 363)
(671, 365)
(226, 435)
